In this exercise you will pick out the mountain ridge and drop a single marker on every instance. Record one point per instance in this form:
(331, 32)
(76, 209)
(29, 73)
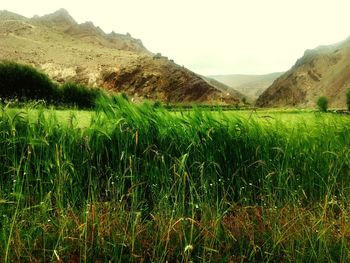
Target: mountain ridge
(323, 71)
(84, 53)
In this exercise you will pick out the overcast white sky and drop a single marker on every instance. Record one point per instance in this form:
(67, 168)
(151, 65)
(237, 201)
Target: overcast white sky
(213, 36)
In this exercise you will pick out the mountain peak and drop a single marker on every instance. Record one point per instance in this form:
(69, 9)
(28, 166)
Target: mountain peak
(61, 16)
(61, 12)
(83, 53)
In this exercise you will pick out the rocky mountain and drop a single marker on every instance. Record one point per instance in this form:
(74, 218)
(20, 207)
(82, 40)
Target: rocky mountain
(252, 86)
(323, 71)
(157, 78)
(84, 53)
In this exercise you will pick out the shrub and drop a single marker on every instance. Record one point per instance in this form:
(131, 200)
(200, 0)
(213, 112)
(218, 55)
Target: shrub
(24, 82)
(125, 96)
(322, 103)
(157, 104)
(348, 99)
(79, 95)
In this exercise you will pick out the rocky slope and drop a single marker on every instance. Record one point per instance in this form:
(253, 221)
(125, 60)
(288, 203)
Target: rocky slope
(157, 78)
(324, 71)
(68, 51)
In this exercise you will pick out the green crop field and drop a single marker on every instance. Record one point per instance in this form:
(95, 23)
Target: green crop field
(136, 183)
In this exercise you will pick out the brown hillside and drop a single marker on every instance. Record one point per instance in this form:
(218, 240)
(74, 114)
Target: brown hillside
(324, 71)
(157, 78)
(68, 51)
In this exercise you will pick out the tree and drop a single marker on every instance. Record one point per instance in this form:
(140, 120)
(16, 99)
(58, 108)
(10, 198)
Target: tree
(322, 103)
(348, 99)
(24, 82)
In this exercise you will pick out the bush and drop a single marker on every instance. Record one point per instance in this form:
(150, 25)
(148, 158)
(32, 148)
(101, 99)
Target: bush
(24, 82)
(125, 96)
(157, 104)
(322, 103)
(348, 99)
(79, 95)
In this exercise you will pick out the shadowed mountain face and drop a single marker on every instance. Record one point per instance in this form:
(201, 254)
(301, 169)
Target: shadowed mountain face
(83, 53)
(324, 71)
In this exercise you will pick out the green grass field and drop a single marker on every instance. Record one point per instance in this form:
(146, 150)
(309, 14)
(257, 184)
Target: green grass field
(135, 183)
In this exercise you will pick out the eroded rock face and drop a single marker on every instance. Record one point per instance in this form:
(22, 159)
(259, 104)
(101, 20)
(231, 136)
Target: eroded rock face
(68, 51)
(163, 80)
(324, 71)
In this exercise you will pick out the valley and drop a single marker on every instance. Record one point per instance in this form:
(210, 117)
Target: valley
(111, 152)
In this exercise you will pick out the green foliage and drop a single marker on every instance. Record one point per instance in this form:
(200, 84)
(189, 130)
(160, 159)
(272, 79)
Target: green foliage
(125, 96)
(79, 95)
(348, 99)
(24, 82)
(322, 103)
(143, 183)
(157, 104)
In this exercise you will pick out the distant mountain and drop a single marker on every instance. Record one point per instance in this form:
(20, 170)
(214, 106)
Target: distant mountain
(224, 88)
(83, 53)
(252, 86)
(323, 71)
